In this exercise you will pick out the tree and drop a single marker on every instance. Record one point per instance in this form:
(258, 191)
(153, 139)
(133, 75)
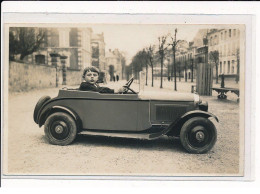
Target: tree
(138, 63)
(150, 57)
(174, 44)
(162, 48)
(214, 57)
(25, 41)
(144, 59)
(185, 67)
(123, 62)
(180, 66)
(128, 71)
(12, 46)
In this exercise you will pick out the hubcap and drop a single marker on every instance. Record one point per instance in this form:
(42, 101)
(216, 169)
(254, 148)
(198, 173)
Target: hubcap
(59, 129)
(200, 136)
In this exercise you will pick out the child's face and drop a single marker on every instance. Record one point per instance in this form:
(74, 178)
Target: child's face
(91, 77)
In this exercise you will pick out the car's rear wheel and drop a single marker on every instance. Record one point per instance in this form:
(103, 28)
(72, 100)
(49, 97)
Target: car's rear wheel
(39, 104)
(60, 129)
(198, 135)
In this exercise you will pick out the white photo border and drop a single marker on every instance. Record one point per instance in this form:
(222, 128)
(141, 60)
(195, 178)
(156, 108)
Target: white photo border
(165, 18)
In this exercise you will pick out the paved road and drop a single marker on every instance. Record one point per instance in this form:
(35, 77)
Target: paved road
(30, 154)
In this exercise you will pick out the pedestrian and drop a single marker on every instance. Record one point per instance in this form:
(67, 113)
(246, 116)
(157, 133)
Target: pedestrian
(117, 77)
(114, 78)
(90, 76)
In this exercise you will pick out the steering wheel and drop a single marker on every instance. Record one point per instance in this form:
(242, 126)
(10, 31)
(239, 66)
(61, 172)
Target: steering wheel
(128, 84)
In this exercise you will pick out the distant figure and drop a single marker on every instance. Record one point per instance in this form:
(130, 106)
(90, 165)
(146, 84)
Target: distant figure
(114, 78)
(117, 78)
(222, 81)
(169, 78)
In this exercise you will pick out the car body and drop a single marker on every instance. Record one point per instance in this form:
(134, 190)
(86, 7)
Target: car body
(143, 115)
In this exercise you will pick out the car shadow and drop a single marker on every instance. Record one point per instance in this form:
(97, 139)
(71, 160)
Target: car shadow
(163, 143)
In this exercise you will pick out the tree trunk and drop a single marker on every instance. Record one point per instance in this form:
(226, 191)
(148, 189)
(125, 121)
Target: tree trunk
(185, 73)
(180, 70)
(185, 65)
(174, 63)
(152, 73)
(146, 74)
(191, 70)
(216, 73)
(161, 86)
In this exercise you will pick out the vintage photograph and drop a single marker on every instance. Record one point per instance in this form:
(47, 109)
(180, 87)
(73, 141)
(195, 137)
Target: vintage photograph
(124, 100)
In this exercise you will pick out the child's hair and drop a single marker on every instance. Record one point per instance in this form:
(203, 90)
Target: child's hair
(92, 69)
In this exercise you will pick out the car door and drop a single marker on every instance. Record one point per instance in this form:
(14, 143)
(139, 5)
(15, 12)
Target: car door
(116, 112)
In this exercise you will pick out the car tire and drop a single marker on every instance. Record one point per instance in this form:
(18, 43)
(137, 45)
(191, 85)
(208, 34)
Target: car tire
(60, 129)
(38, 106)
(198, 135)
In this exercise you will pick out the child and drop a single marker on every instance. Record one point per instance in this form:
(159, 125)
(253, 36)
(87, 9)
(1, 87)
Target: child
(90, 75)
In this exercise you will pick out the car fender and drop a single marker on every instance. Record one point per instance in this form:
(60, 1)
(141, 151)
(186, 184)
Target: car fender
(50, 110)
(175, 127)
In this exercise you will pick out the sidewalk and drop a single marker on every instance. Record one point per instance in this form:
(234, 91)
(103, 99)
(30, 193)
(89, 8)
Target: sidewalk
(184, 87)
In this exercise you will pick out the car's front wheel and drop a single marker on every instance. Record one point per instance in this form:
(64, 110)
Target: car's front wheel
(198, 135)
(60, 129)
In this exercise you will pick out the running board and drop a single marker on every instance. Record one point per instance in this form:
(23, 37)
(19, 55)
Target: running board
(124, 135)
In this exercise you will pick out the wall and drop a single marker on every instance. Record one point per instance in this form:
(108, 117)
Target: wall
(25, 77)
(74, 77)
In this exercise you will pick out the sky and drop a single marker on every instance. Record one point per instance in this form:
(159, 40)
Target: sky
(132, 38)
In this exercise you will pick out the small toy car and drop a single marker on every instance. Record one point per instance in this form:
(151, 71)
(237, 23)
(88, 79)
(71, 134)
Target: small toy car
(144, 115)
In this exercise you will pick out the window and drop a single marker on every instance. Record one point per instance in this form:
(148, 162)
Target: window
(228, 67)
(224, 67)
(229, 33)
(73, 37)
(54, 38)
(234, 32)
(233, 67)
(40, 59)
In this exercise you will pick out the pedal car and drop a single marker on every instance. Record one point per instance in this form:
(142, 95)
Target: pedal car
(143, 115)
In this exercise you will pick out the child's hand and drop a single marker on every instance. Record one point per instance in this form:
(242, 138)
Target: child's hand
(122, 90)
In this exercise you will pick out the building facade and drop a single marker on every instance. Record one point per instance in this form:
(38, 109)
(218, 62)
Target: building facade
(98, 51)
(227, 43)
(115, 63)
(73, 42)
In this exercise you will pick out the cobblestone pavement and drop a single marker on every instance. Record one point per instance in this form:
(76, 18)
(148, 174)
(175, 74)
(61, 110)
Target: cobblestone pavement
(29, 153)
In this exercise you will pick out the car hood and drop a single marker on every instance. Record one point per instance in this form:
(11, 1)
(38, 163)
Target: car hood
(169, 96)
